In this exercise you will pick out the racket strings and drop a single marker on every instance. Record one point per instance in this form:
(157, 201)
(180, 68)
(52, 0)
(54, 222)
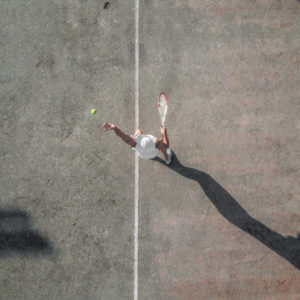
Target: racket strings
(162, 104)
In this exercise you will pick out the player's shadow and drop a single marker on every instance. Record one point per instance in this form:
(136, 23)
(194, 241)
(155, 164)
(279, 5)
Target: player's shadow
(287, 247)
(16, 235)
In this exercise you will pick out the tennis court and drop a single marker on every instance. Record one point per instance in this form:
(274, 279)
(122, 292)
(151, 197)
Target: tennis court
(222, 221)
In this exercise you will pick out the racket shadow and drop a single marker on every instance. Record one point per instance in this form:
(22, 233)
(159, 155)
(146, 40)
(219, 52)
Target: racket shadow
(286, 246)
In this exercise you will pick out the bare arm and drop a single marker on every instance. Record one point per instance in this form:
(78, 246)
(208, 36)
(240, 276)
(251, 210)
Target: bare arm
(121, 134)
(165, 136)
(125, 137)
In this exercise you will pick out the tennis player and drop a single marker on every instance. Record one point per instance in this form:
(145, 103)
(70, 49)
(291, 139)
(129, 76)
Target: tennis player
(146, 146)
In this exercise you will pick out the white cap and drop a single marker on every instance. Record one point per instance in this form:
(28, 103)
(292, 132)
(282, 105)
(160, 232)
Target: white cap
(145, 146)
(146, 142)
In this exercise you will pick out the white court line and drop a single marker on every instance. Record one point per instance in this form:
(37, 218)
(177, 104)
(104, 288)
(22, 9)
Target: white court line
(136, 198)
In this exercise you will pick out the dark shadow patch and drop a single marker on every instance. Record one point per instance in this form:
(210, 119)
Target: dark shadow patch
(106, 5)
(16, 235)
(287, 247)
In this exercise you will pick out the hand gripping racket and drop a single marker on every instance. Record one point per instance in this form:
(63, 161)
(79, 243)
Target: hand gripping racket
(162, 107)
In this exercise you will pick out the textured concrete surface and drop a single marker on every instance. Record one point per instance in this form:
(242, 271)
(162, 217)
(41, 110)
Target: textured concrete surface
(60, 59)
(231, 71)
(221, 222)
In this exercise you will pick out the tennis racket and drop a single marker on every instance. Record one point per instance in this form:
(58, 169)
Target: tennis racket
(162, 104)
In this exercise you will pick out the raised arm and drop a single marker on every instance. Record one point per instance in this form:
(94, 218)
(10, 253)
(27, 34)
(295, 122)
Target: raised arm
(125, 137)
(165, 136)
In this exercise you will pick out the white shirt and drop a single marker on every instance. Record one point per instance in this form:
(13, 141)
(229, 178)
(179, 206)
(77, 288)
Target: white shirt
(145, 146)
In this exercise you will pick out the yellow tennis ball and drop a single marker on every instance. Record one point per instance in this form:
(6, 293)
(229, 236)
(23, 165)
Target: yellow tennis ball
(93, 111)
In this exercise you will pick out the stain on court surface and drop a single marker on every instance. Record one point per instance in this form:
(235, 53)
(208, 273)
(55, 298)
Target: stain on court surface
(106, 5)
